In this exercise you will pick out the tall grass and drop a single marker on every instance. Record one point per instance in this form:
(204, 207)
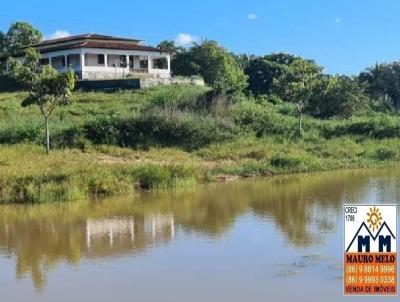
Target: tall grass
(110, 143)
(27, 174)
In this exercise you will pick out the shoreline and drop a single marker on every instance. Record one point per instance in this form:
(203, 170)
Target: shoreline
(69, 175)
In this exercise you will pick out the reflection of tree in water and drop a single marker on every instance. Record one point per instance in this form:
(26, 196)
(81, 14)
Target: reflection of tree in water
(302, 207)
(307, 205)
(41, 239)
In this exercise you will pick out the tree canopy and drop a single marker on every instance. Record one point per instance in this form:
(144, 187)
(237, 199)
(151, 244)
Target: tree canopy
(219, 68)
(272, 73)
(337, 96)
(383, 83)
(21, 34)
(170, 47)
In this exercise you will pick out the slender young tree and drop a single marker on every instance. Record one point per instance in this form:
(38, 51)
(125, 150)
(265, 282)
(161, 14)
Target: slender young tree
(47, 88)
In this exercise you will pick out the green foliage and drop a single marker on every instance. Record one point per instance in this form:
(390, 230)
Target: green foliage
(170, 47)
(47, 88)
(385, 153)
(285, 161)
(155, 176)
(275, 73)
(379, 127)
(116, 142)
(383, 83)
(159, 129)
(18, 36)
(3, 44)
(262, 119)
(243, 60)
(218, 67)
(21, 34)
(338, 96)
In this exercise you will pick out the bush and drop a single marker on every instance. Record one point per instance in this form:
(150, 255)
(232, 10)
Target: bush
(184, 130)
(26, 132)
(285, 161)
(103, 130)
(380, 127)
(295, 163)
(152, 176)
(262, 119)
(385, 153)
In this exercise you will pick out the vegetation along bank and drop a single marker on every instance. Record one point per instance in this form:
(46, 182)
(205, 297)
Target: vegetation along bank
(265, 115)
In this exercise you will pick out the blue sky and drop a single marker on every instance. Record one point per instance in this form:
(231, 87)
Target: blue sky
(345, 36)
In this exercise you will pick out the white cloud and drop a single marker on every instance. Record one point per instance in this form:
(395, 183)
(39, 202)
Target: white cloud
(252, 16)
(183, 39)
(58, 34)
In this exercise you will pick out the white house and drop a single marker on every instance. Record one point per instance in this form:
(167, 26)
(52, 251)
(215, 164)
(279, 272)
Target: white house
(95, 57)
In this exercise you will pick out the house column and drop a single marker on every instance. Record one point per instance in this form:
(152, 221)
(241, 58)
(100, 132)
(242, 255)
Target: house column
(66, 61)
(127, 64)
(82, 65)
(169, 63)
(105, 60)
(50, 61)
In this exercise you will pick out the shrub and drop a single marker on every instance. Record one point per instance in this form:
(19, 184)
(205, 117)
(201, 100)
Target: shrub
(152, 176)
(385, 153)
(285, 161)
(295, 163)
(184, 130)
(380, 127)
(103, 130)
(262, 119)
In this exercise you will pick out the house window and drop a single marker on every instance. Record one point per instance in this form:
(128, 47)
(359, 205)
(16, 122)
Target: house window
(58, 62)
(131, 61)
(122, 61)
(100, 59)
(144, 64)
(73, 60)
(116, 61)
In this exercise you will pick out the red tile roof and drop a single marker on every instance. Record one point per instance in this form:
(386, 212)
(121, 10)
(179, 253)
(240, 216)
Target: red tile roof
(104, 45)
(123, 46)
(92, 41)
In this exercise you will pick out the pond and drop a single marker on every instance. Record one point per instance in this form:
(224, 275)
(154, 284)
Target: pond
(274, 239)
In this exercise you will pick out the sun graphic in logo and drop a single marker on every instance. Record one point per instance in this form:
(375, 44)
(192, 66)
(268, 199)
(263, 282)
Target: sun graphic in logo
(374, 219)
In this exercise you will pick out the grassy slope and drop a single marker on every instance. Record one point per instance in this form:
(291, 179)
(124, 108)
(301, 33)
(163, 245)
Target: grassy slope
(27, 174)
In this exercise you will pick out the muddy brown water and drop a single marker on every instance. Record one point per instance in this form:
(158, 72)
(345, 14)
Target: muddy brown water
(276, 239)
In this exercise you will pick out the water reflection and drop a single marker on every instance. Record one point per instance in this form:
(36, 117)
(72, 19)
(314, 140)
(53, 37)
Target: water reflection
(108, 237)
(302, 208)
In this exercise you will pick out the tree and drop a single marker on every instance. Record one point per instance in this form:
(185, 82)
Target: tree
(383, 84)
(270, 74)
(185, 64)
(21, 34)
(218, 68)
(3, 57)
(243, 60)
(337, 96)
(295, 83)
(170, 47)
(47, 88)
(18, 36)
